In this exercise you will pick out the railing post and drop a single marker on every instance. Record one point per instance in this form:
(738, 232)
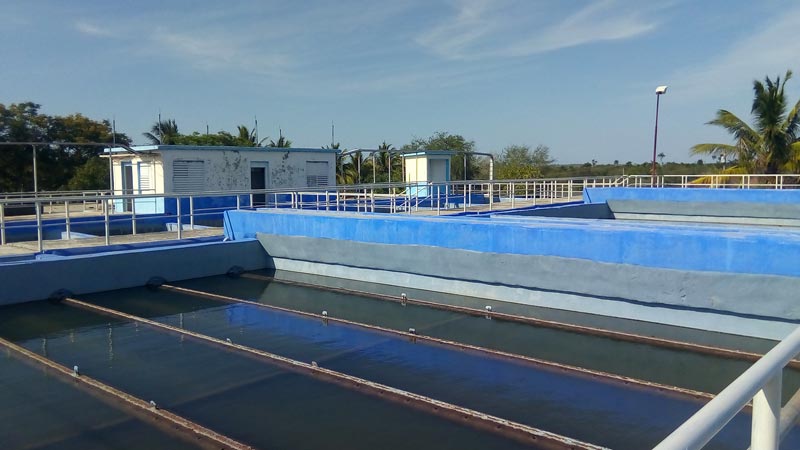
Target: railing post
(512, 191)
(2, 224)
(767, 415)
(40, 245)
(327, 201)
(133, 217)
(106, 223)
(491, 195)
(191, 213)
(180, 225)
(238, 202)
(66, 219)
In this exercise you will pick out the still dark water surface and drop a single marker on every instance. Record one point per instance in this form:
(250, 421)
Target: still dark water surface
(268, 407)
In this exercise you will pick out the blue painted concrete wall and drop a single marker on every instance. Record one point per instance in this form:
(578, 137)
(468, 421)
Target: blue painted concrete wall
(695, 248)
(602, 195)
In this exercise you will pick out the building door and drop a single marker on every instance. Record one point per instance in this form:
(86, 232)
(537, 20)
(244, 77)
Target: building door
(259, 173)
(127, 185)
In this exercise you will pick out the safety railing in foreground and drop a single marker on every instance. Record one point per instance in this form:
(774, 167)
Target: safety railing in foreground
(762, 383)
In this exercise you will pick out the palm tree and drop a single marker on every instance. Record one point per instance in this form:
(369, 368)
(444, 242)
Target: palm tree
(771, 145)
(163, 132)
(247, 137)
(282, 142)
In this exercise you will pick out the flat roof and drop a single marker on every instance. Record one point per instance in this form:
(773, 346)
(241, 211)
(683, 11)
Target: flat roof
(162, 148)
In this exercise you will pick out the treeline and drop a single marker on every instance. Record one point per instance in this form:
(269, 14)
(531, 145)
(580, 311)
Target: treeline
(59, 167)
(76, 167)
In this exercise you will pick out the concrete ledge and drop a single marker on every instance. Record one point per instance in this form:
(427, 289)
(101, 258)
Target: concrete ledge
(752, 196)
(765, 297)
(664, 246)
(699, 320)
(29, 280)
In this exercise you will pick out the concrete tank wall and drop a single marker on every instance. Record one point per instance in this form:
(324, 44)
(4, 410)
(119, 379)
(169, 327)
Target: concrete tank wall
(709, 278)
(39, 279)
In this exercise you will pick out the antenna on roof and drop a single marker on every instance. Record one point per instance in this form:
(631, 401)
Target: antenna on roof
(256, 128)
(206, 128)
(160, 132)
(332, 134)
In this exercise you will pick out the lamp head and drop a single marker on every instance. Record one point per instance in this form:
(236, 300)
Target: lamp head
(661, 90)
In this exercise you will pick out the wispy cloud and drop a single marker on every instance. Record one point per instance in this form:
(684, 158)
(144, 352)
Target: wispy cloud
(219, 51)
(768, 52)
(483, 28)
(91, 29)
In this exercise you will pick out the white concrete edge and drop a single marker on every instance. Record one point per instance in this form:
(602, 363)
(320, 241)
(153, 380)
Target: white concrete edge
(701, 320)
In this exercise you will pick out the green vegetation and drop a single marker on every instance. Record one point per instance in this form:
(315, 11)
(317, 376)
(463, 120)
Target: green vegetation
(166, 132)
(442, 140)
(772, 144)
(59, 167)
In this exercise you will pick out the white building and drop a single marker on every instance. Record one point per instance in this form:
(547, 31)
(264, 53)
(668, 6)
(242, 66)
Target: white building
(183, 169)
(425, 167)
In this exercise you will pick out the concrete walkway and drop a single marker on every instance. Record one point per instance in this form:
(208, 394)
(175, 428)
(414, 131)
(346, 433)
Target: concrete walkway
(30, 247)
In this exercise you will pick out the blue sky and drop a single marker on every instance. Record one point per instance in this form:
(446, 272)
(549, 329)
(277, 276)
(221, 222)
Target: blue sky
(578, 76)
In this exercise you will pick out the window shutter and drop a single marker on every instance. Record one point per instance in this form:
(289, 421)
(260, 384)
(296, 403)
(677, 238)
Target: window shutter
(188, 176)
(145, 178)
(316, 173)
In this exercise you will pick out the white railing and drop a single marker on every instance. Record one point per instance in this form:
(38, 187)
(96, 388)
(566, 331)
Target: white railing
(421, 198)
(762, 383)
(729, 181)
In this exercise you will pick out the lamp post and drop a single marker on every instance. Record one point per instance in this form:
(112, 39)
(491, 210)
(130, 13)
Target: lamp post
(659, 91)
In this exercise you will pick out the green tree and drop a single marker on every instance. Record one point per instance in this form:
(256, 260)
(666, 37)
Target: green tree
(442, 140)
(282, 142)
(220, 138)
(385, 158)
(163, 132)
(93, 175)
(56, 164)
(771, 144)
(247, 137)
(518, 162)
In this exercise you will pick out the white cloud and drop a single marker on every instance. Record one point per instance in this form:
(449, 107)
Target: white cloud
(92, 30)
(483, 28)
(768, 52)
(219, 51)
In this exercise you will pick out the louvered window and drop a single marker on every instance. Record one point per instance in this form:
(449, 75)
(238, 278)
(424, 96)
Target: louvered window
(145, 178)
(316, 173)
(188, 176)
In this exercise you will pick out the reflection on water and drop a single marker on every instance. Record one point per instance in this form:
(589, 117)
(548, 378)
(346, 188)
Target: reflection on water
(39, 411)
(678, 368)
(605, 413)
(246, 399)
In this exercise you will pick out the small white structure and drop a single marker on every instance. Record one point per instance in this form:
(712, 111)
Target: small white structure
(176, 169)
(425, 167)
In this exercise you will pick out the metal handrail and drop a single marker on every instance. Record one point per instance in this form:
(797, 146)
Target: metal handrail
(761, 383)
(399, 197)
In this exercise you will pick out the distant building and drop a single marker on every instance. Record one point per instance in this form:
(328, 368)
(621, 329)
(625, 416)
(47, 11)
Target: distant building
(425, 167)
(184, 169)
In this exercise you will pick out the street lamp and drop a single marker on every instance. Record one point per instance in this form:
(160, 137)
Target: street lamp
(659, 91)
